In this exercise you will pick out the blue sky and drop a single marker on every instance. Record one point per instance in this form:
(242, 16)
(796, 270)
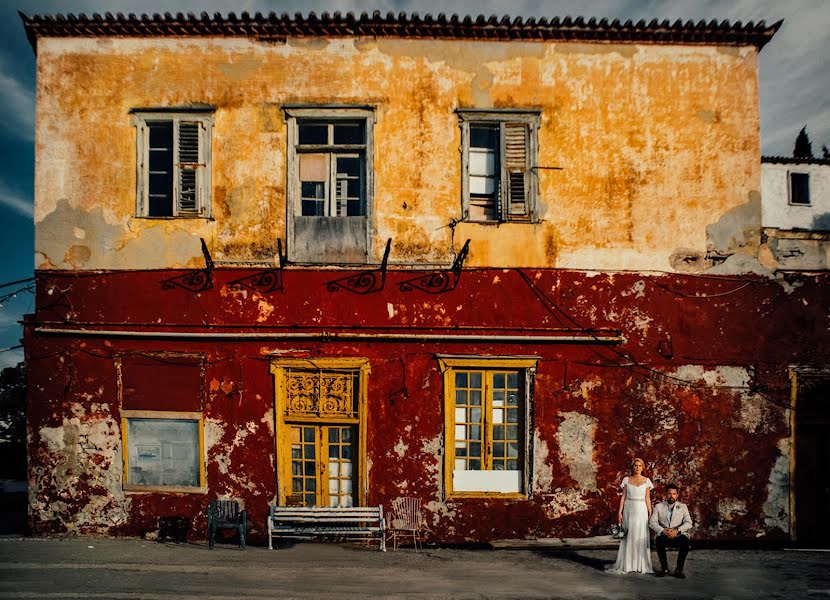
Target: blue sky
(795, 85)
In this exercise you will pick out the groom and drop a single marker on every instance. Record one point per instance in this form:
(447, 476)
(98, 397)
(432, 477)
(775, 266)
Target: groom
(670, 520)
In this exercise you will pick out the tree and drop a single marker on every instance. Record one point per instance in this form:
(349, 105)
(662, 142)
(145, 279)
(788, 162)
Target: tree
(826, 152)
(13, 422)
(803, 147)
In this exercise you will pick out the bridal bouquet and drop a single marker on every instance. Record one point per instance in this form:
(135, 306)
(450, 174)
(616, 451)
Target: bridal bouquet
(617, 532)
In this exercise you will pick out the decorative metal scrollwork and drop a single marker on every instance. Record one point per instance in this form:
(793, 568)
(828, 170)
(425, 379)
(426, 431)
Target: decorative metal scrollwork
(264, 282)
(193, 281)
(366, 282)
(320, 394)
(438, 282)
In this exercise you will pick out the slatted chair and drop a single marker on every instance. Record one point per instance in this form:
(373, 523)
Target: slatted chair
(225, 514)
(407, 519)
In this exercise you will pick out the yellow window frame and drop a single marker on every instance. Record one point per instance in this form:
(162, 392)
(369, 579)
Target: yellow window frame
(126, 415)
(282, 425)
(449, 365)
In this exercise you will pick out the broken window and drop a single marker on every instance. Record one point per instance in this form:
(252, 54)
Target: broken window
(329, 184)
(499, 151)
(487, 423)
(800, 188)
(173, 162)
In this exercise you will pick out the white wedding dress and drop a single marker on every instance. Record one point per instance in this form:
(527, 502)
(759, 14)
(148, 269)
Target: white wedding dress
(634, 555)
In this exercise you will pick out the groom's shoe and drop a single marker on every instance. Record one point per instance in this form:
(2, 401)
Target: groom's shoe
(680, 574)
(661, 572)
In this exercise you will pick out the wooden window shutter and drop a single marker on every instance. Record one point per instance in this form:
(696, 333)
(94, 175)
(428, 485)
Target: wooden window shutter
(516, 140)
(189, 165)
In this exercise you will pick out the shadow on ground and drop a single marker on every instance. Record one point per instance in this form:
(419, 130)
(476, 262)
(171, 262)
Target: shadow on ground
(599, 564)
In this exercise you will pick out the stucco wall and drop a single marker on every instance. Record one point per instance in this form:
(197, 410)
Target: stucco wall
(656, 142)
(697, 386)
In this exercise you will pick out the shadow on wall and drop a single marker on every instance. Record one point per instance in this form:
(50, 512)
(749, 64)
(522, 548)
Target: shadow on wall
(13, 490)
(821, 222)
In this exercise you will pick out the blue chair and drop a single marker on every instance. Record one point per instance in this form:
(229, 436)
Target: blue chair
(225, 514)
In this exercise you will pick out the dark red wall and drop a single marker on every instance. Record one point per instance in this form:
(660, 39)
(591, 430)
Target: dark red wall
(673, 393)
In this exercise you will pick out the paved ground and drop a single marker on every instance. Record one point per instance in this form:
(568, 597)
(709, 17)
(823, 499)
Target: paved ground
(130, 569)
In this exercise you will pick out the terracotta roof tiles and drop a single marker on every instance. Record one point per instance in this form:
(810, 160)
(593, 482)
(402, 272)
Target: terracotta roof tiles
(276, 27)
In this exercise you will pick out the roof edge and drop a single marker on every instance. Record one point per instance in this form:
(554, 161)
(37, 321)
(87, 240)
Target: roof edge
(273, 27)
(794, 160)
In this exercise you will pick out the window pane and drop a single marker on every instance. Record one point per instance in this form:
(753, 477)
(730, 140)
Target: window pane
(498, 398)
(800, 188)
(475, 380)
(349, 132)
(513, 380)
(313, 133)
(308, 434)
(346, 433)
(484, 136)
(160, 172)
(334, 434)
(475, 432)
(308, 468)
(348, 165)
(308, 451)
(498, 380)
(475, 398)
(163, 452)
(461, 380)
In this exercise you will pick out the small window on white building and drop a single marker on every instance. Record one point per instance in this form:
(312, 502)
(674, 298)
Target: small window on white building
(800, 189)
(173, 162)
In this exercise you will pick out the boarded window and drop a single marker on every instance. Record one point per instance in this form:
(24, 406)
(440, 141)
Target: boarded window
(173, 163)
(161, 383)
(499, 151)
(800, 188)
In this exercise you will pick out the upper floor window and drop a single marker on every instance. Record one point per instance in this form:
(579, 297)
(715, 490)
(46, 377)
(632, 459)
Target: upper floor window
(173, 162)
(332, 167)
(499, 150)
(800, 188)
(329, 185)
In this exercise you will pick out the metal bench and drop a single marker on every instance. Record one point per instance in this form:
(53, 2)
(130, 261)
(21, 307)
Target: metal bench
(364, 522)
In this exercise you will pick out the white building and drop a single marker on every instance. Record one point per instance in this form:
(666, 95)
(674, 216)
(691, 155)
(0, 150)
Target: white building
(795, 212)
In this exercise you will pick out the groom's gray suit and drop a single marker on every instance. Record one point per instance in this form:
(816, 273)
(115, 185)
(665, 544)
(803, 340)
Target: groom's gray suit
(680, 519)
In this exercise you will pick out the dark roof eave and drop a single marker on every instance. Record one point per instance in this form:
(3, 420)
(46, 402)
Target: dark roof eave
(794, 160)
(274, 27)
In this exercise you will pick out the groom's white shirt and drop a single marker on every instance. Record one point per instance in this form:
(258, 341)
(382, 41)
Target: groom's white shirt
(680, 518)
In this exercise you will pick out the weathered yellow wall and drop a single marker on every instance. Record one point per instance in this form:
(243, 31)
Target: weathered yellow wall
(656, 143)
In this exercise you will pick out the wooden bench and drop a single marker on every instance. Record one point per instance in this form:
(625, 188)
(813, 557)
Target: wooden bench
(365, 522)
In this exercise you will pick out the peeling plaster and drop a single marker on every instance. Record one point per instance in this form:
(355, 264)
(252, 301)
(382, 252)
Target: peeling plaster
(777, 504)
(564, 502)
(575, 436)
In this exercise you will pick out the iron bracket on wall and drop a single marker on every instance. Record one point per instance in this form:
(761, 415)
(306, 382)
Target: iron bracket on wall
(264, 282)
(198, 280)
(438, 282)
(365, 282)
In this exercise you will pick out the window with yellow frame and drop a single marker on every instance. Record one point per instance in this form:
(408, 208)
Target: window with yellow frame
(320, 416)
(163, 451)
(487, 421)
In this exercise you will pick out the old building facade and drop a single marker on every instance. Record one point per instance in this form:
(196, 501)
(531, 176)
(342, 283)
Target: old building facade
(340, 260)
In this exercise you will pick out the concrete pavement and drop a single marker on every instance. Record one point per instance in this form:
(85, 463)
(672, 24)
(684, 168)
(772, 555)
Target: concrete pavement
(129, 569)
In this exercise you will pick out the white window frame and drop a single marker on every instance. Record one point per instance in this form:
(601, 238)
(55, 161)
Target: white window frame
(500, 118)
(204, 118)
(790, 189)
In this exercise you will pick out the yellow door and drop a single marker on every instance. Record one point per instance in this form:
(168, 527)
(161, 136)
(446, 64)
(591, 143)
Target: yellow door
(322, 465)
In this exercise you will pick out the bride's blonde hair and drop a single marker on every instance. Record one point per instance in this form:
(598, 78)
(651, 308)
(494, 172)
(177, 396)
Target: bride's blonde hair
(637, 460)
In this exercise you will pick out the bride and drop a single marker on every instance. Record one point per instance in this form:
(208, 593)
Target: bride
(634, 555)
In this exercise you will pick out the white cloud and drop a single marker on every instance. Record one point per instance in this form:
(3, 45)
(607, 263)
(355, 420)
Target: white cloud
(16, 203)
(18, 101)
